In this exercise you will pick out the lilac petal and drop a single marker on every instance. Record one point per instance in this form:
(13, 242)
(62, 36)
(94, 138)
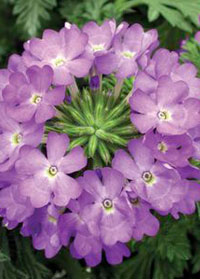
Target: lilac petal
(115, 227)
(141, 154)
(75, 42)
(38, 191)
(31, 163)
(143, 123)
(125, 164)
(133, 37)
(9, 94)
(33, 137)
(79, 67)
(165, 60)
(66, 188)
(67, 227)
(37, 48)
(50, 36)
(22, 113)
(16, 63)
(7, 123)
(178, 91)
(91, 214)
(40, 78)
(92, 184)
(113, 180)
(73, 161)
(55, 96)
(93, 260)
(127, 69)
(107, 63)
(44, 112)
(138, 98)
(82, 246)
(192, 106)
(62, 76)
(56, 146)
(114, 254)
(147, 224)
(145, 83)
(17, 79)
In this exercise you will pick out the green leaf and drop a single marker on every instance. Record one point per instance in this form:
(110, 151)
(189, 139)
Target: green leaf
(3, 257)
(180, 13)
(192, 54)
(31, 12)
(152, 14)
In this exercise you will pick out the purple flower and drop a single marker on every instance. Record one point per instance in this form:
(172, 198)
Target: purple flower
(187, 205)
(165, 62)
(17, 207)
(32, 96)
(63, 51)
(99, 37)
(107, 216)
(85, 245)
(43, 227)
(165, 109)
(47, 178)
(128, 48)
(13, 136)
(174, 150)
(146, 223)
(114, 254)
(150, 180)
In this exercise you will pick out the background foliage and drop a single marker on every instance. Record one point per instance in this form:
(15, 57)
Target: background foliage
(175, 251)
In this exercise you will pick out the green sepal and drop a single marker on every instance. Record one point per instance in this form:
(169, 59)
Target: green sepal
(112, 138)
(78, 141)
(76, 115)
(104, 152)
(92, 145)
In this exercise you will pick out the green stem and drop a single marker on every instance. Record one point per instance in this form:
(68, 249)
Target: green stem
(118, 87)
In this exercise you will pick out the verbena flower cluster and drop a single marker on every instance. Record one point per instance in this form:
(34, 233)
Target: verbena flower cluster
(49, 186)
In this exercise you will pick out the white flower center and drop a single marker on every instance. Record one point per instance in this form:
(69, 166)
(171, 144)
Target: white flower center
(128, 54)
(107, 203)
(148, 178)
(53, 170)
(36, 99)
(162, 147)
(59, 61)
(17, 139)
(99, 47)
(164, 115)
(52, 219)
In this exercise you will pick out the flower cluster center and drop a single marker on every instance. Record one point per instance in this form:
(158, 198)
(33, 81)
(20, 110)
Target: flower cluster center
(162, 147)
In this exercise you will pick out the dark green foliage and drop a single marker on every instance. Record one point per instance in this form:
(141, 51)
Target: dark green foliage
(31, 12)
(17, 258)
(175, 251)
